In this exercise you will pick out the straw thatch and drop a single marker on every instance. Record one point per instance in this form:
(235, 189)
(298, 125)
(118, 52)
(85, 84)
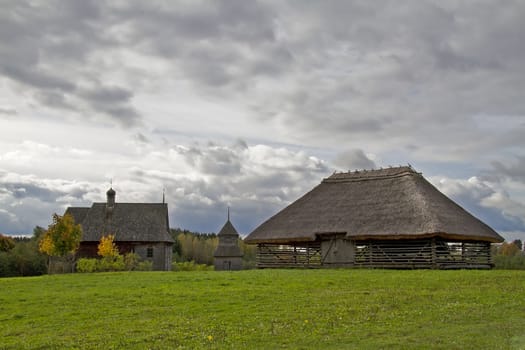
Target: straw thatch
(387, 204)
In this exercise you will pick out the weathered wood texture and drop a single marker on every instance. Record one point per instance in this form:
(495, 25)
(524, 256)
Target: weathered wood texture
(397, 254)
(298, 255)
(420, 254)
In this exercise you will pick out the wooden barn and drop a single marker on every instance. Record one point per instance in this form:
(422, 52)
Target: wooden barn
(141, 228)
(387, 218)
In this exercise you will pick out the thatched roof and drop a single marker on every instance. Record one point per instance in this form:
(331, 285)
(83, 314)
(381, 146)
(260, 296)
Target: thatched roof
(129, 222)
(394, 203)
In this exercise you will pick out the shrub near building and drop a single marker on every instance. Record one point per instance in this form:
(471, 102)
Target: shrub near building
(111, 259)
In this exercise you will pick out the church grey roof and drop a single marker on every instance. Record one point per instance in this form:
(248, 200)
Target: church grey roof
(129, 222)
(393, 203)
(78, 213)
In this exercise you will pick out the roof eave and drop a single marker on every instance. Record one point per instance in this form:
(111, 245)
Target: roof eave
(279, 240)
(444, 235)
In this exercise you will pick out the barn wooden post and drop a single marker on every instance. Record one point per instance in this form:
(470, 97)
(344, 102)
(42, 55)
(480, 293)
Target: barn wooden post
(434, 257)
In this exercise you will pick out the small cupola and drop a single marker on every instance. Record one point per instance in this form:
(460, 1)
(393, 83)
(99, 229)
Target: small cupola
(111, 197)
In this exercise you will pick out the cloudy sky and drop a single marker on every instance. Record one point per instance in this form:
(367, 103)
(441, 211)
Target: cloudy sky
(250, 104)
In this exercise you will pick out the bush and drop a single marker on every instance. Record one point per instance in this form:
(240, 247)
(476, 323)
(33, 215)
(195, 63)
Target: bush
(516, 262)
(190, 266)
(111, 264)
(87, 265)
(128, 262)
(144, 266)
(131, 261)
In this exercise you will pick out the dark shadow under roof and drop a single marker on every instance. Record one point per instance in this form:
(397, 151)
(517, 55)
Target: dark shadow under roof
(393, 203)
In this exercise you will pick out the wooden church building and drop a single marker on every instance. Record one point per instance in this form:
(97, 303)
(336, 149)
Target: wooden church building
(141, 228)
(387, 218)
(228, 255)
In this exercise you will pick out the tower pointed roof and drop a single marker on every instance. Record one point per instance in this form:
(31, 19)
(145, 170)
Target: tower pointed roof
(228, 241)
(228, 230)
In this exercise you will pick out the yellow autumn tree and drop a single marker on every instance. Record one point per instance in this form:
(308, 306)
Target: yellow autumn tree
(61, 239)
(107, 247)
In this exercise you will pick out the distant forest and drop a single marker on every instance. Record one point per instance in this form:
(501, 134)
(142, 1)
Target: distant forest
(19, 256)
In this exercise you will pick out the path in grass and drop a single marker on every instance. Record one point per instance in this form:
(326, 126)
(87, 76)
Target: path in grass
(266, 309)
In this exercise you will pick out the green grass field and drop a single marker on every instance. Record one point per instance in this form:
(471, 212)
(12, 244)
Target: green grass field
(265, 309)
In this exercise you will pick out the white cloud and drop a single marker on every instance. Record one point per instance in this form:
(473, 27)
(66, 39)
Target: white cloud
(485, 200)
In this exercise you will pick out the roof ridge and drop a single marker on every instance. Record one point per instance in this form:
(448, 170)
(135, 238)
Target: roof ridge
(373, 174)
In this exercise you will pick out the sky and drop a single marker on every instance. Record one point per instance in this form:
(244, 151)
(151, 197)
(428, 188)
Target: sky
(250, 104)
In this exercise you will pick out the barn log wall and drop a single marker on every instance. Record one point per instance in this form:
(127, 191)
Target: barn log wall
(295, 255)
(423, 254)
(398, 254)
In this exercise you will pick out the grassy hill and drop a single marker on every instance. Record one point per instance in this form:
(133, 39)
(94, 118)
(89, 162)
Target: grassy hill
(265, 309)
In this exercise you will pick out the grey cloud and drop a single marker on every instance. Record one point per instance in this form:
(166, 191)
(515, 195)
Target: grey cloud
(127, 116)
(54, 99)
(114, 101)
(51, 43)
(362, 68)
(514, 171)
(141, 138)
(37, 79)
(27, 190)
(107, 95)
(8, 111)
(354, 159)
(229, 20)
(430, 66)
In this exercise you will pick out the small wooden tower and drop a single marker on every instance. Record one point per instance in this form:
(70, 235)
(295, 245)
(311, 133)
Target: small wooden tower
(228, 255)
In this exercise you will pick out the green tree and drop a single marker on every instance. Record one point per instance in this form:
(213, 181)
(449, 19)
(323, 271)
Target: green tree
(38, 232)
(61, 240)
(23, 260)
